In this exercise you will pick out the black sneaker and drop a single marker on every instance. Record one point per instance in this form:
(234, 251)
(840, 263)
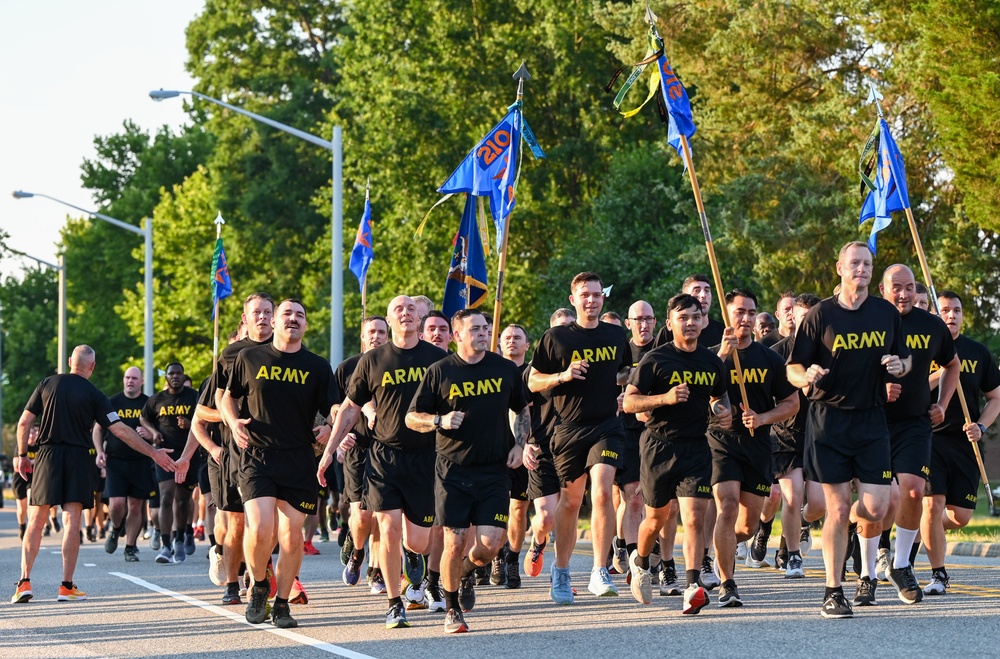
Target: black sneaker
(482, 575)
(513, 574)
(111, 542)
(498, 575)
(91, 534)
(780, 559)
(434, 595)
(905, 583)
(131, 555)
(346, 550)
(757, 556)
(865, 595)
(454, 622)
(343, 534)
(281, 616)
(730, 596)
(414, 567)
(396, 617)
(232, 595)
(836, 606)
(467, 592)
(257, 606)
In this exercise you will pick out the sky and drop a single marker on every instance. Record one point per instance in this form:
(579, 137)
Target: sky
(71, 71)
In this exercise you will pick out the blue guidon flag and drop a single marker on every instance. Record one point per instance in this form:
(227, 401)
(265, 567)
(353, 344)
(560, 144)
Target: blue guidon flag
(887, 193)
(222, 285)
(363, 253)
(466, 287)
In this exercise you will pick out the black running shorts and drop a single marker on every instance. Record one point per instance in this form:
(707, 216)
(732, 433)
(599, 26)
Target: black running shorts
(471, 496)
(910, 443)
(674, 468)
(784, 463)
(355, 464)
(543, 481)
(518, 483)
(285, 474)
(577, 448)
(744, 459)
(128, 478)
(401, 480)
(842, 445)
(62, 474)
(629, 471)
(954, 471)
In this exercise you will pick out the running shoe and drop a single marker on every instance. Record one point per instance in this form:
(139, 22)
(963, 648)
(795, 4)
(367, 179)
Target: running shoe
(939, 583)
(101, 533)
(601, 584)
(708, 578)
(905, 583)
(696, 598)
(780, 559)
(741, 550)
(189, 547)
(729, 597)
(257, 606)
(347, 549)
(352, 571)
(413, 566)
(111, 542)
(56, 524)
(805, 539)
(154, 540)
(482, 575)
(513, 573)
(165, 556)
(396, 617)
(865, 594)
(22, 593)
(498, 575)
(882, 565)
(668, 580)
(297, 595)
(245, 583)
(91, 534)
(641, 584)
(180, 552)
(342, 534)
(377, 583)
(232, 594)
(836, 606)
(620, 560)
(654, 556)
(467, 592)
(308, 549)
(131, 555)
(534, 559)
(281, 616)
(324, 535)
(47, 530)
(454, 622)
(199, 533)
(413, 596)
(73, 594)
(793, 570)
(217, 566)
(757, 556)
(272, 582)
(560, 592)
(435, 597)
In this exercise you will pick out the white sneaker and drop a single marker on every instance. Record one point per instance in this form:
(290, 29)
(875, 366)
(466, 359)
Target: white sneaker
(793, 570)
(216, 568)
(938, 585)
(642, 580)
(882, 565)
(414, 595)
(165, 556)
(708, 578)
(601, 583)
(741, 550)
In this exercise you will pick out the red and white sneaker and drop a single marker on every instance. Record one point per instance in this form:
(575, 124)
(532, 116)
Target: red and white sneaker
(298, 594)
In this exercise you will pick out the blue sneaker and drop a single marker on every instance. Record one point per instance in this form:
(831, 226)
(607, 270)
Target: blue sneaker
(352, 571)
(561, 592)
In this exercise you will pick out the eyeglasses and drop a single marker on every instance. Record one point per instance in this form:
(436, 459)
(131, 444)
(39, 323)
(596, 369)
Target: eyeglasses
(647, 320)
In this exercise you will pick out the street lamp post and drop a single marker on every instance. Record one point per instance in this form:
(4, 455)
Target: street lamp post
(337, 230)
(147, 233)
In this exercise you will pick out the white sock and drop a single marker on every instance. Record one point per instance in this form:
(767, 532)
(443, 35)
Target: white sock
(904, 543)
(869, 555)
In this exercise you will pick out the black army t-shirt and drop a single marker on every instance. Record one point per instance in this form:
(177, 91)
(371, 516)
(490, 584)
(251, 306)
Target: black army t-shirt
(638, 352)
(68, 405)
(484, 391)
(129, 410)
(161, 412)
(342, 376)
(710, 336)
(979, 374)
(664, 368)
(764, 379)
(284, 391)
(790, 433)
(390, 375)
(929, 341)
(851, 343)
(606, 351)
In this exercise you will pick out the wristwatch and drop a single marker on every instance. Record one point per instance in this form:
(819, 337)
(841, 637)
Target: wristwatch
(982, 428)
(437, 421)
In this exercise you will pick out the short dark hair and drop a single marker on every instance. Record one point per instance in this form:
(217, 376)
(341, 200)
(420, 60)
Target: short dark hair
(693, 278)
(178, 364)
(292, 300)
(683, 301)
(462, 314)
(611, 314)
(584, 277)
(740, 292)
(920, 289)
(516, 326)
(806, 300)
(434, 313)
(562, 312)
(951, 295)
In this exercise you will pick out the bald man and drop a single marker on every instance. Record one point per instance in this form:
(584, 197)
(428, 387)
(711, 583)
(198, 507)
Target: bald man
(129, 482)
(68, 405)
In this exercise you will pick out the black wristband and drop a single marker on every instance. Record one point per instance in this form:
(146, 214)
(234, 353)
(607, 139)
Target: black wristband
(22, 455)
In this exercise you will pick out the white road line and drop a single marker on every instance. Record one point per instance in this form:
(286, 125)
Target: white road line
(218, 610)
(90, 565)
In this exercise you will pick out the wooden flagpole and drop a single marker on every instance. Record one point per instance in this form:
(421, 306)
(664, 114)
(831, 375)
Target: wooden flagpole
(520, 75)
(874, 96)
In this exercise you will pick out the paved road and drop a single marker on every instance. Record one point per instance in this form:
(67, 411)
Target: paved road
(148, 610)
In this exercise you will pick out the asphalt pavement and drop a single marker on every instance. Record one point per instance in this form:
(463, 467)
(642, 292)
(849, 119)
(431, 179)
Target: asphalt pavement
(149, 610)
